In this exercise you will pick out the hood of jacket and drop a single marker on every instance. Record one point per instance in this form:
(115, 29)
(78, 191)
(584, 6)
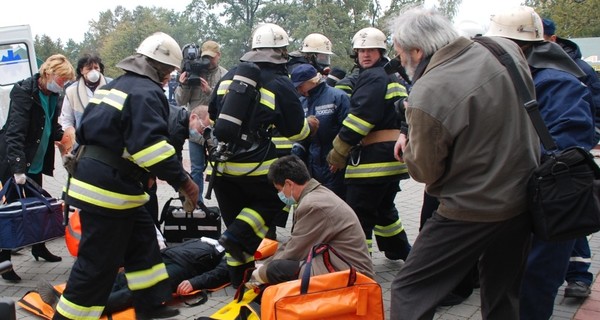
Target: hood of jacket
(137, 64)
(549, 55)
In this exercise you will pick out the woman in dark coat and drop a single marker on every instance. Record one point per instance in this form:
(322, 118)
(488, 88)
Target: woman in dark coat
(27, 138)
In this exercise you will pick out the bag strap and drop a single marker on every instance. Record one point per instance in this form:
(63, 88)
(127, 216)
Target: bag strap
(165, 210)
(530, 103)
(34, 189)
(324, 249)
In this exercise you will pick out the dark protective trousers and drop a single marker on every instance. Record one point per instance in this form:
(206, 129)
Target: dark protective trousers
(236, 194)
(446, 250)
(110, 241)
(374, 205)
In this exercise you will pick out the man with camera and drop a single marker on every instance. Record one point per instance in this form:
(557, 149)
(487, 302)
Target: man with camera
(200, 73)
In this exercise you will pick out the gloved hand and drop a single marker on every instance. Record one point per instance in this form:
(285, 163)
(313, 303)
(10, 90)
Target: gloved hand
(68, 140)
(20, 178)
(255, 279)
(190, 191)
(338, 155)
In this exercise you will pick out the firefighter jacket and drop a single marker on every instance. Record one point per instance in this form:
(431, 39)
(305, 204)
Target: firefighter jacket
(372, 110)
(127, 117)
(348, 82)
(22, 133)
(278, 107)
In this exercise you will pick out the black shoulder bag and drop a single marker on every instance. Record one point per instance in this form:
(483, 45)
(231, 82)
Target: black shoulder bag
(564, 191)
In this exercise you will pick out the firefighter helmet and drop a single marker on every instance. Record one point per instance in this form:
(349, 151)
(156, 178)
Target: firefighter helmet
(368, 38)
(162, 48)
(316, 43)
(269, 35)
(517, 23)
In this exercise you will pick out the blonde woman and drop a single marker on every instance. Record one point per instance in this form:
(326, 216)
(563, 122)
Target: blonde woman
(28, 136)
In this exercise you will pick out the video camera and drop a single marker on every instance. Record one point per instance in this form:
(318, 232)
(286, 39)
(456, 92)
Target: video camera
(194, 63)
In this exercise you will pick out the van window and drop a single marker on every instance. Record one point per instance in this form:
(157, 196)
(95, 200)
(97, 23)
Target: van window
(14, 63)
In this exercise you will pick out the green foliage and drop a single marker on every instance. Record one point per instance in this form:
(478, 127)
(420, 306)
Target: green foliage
(115, 34)
(573, 18)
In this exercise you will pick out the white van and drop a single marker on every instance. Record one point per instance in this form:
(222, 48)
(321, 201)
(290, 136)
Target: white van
(17, 62)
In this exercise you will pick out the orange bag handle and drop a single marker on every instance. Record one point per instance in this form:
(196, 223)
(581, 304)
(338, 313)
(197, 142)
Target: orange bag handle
(324, 249)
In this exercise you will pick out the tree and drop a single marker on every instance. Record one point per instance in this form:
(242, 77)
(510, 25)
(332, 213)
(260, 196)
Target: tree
(573, 19)
(45, 47)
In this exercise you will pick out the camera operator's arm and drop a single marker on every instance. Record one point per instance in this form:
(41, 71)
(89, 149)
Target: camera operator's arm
(183, 92)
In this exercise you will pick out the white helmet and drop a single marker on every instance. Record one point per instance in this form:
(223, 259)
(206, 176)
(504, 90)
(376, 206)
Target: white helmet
(269, 35)
(162, 48)
(316, 43)
(369, 38)
(469, 29)
(517, 23)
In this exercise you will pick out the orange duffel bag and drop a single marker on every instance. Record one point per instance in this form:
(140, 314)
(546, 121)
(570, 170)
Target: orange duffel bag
(347, 294)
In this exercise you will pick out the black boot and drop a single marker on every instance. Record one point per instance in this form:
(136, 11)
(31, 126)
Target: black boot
(10, 275)
(40, 251)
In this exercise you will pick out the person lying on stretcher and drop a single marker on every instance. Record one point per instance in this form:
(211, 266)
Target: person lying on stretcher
(193, 265)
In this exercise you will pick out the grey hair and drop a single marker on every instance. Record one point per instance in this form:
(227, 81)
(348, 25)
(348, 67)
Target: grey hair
(421, 28)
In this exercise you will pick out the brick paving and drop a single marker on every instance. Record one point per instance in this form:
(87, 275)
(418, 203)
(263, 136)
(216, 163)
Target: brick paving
(408, 202)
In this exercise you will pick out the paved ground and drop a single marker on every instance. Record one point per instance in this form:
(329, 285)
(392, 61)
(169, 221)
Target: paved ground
(408, 202)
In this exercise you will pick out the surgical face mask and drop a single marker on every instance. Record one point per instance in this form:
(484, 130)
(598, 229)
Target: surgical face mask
(196, 137)
(287, 201)
(93, 76)
(53, 86)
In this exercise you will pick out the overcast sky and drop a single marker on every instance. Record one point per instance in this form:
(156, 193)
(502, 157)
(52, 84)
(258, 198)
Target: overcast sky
(68, 19)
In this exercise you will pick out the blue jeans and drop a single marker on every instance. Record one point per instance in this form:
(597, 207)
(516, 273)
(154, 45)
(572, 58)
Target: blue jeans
(579, 264)
(197, 159)
(545, 273)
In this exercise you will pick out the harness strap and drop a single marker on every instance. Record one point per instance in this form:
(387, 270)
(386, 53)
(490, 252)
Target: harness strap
(380, 136)
(125, 167)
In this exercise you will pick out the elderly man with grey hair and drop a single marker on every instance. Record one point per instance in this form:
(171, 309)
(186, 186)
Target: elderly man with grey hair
(472, 144)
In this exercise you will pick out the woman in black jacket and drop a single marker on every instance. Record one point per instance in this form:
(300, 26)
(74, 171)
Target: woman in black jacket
(28, 136)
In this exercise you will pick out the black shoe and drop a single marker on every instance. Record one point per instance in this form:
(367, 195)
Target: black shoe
(398, 255)
(233, 248)
(40, 251)
(162, 312)
(577, 289)
(452, 299)
(47, 292)
(11, 276)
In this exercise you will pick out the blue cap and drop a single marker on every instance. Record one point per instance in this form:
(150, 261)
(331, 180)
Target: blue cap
(303, 73)
(549, 27)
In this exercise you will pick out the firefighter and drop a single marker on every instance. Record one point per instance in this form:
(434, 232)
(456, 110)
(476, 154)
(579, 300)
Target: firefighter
(316, 50)
(123, 139)
(366, 143)
(248, 202)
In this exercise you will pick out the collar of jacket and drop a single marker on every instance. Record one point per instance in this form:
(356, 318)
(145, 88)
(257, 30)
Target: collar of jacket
(137, 64)
(30, 85)
(442, 55)
(311, 185)
(549, 55)
(317, 90)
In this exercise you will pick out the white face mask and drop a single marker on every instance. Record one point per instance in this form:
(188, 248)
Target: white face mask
(93, 76)
(53, 86)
